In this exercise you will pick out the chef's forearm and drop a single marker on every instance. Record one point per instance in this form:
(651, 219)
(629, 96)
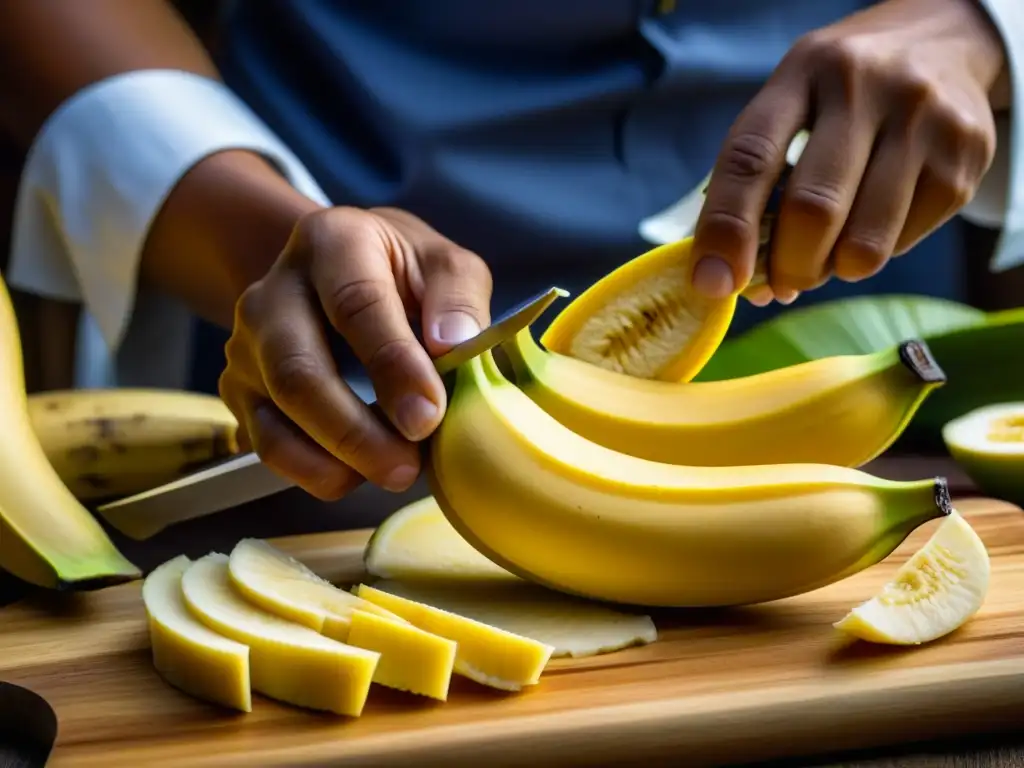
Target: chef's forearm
(226, 221)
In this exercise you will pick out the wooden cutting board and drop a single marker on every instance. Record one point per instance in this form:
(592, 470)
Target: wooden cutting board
(725, 686)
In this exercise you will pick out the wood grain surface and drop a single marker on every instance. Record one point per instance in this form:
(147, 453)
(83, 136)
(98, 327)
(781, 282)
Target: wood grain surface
(718, 686)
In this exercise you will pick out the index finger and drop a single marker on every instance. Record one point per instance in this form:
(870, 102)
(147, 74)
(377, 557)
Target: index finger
(746, 171)
(354, 280)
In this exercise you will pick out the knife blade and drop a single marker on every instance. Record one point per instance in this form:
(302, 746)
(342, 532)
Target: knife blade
(244, 478)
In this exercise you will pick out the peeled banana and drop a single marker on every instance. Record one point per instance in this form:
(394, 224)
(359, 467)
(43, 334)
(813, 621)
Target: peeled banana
(46, 536)
(118, 442)
(644, 319)
(839, 410)
(553, 507)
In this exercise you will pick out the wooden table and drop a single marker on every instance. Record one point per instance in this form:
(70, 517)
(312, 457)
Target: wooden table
(284, 513)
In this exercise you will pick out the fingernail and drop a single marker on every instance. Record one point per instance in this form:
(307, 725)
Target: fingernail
(713, 277)
(456, 327)
(400, 479)
(416, 416)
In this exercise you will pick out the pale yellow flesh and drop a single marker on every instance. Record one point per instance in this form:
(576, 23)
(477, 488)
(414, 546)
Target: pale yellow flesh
(934, 593)
(644, 319)
(417, 543)
(486, 654)
(288, 662)
(997, 430)
(188, 654)
(410, 659)
(429, 562)
(574, 628)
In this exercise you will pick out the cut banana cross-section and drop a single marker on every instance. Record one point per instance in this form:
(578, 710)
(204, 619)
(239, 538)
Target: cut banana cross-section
(572, 627)
(188, 654)
(278, 583)
(486, 654)
(644, 319)
(289, 662)
(932, 594)
(988, 443)
(410, 659)
(417, 543)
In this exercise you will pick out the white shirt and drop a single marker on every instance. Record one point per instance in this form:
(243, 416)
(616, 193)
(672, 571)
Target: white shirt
(101, 166)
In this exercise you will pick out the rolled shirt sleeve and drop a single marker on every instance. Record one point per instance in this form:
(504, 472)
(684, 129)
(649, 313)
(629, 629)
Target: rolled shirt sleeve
(99, 171)
(999, 202)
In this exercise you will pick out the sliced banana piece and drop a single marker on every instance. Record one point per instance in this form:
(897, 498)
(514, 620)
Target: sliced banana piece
(188, 654)
(288, 662)
(486, 654)
(410, 659)
(575, 628)
(417, 543)
(935, 592)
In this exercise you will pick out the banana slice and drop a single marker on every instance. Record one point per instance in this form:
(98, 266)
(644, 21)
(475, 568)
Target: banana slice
(410, 659)
(932, 594)
(288, 662)
(188, 654)
(575, 628)
(486, 654)
(418, 543)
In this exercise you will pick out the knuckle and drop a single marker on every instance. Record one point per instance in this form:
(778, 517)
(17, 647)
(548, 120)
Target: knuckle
(860, 256)
(750, 155)
(830, 54)
(347, 301)
(726, 226)
(819, 202)
(916, 88)
(292, 377)
(350, 440)
(249, 307)
(391, 356)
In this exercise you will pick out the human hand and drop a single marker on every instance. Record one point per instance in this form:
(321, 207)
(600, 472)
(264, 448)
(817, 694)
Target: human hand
(362, 273)
(897, 101)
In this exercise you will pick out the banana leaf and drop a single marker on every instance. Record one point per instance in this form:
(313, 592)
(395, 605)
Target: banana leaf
(981, 353)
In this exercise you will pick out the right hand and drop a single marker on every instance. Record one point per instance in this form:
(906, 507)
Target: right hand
(362, 273)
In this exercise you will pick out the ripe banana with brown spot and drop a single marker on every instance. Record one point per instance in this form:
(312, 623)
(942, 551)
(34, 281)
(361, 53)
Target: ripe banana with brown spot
(106, 443)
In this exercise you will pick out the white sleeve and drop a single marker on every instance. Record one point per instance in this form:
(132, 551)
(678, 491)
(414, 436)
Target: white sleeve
(999, 201)
(99, 171)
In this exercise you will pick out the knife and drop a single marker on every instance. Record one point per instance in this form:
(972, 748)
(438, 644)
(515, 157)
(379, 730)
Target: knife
(244, 478)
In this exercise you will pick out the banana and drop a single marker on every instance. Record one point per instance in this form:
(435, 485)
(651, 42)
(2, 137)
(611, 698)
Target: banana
(117, 442)
(839, 410)
(555, 508)
(46, 536)
(644, 319)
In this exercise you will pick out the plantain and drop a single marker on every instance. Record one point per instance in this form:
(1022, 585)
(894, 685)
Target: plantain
(107, 443)
(843, 410)
(555, 508)
(46, 536)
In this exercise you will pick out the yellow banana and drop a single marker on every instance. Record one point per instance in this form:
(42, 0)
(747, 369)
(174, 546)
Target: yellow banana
(839, 410)
(644, 319)
(555, 508)
(46, 536)
(116, 442)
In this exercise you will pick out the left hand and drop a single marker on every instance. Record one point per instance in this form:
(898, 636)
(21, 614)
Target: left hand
(897, 102)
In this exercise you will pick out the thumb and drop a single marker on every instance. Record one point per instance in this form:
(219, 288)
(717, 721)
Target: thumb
(456, 298)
